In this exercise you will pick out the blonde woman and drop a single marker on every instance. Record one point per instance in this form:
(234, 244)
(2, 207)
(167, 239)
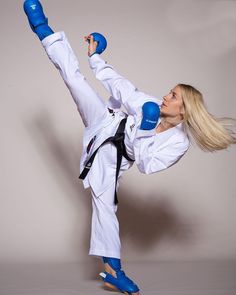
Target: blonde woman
(114, 140)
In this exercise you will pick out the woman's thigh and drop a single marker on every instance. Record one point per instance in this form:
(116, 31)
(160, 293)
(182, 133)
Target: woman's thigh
(90, 104)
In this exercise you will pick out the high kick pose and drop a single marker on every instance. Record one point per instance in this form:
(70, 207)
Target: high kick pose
(113, 140)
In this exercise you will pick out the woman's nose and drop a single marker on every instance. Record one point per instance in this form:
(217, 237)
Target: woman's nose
(164, 98)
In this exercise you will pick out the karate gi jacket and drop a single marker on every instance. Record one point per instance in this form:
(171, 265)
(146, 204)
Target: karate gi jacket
(151, 151)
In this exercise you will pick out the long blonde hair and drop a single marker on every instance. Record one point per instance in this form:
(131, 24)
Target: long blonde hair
(209, 133)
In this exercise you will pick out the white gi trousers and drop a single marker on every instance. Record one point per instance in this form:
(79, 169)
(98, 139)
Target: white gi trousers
(105, 240)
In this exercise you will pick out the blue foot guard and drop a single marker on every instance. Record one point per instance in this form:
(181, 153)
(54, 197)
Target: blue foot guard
(121, 281)
(37, 20)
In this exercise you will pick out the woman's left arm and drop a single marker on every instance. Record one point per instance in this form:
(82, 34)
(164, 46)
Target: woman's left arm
(120, 88)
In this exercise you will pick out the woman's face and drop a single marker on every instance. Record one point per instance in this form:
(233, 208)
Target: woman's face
(172, 105)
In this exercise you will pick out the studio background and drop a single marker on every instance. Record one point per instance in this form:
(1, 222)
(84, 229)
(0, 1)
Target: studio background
(186, 212)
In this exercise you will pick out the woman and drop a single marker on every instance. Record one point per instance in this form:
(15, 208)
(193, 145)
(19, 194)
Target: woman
(109, 131)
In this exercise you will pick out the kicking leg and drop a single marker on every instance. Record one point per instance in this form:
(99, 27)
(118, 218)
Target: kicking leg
(90, 105)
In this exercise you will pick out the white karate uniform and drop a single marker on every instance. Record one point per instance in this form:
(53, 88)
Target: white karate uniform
(152, 152)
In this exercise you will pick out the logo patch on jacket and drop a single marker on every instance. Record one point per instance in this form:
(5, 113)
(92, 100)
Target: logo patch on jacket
(90, 144)
(131, 127)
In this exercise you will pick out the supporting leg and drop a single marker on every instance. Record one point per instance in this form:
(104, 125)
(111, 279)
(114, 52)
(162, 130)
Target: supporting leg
(105, 240)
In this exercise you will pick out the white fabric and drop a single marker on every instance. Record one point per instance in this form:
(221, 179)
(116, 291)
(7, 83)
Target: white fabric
(152, 152)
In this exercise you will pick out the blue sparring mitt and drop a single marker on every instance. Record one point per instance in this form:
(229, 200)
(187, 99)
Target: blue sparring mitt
(151, 114)
(102, 42)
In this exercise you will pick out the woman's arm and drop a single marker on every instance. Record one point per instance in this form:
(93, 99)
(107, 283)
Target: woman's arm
(119, 87)
(154, 153)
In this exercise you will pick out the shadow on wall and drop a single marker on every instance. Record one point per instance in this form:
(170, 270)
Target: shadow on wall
(142, 224)
(146, 224)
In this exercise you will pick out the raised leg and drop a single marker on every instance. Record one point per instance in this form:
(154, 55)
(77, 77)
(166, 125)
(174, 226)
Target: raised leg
(91, 106)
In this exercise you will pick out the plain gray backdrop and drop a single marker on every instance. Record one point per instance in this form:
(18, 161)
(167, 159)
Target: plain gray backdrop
(184, 213)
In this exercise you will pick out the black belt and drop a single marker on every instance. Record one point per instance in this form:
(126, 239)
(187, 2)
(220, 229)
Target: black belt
(118, 141)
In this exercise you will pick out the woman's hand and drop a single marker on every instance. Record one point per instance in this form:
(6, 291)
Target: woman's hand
(92, 44)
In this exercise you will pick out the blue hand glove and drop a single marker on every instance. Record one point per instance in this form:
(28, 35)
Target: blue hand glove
(151, 114)
(102, 42)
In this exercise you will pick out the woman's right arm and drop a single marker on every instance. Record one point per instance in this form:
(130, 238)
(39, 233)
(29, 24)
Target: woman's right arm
(156, 152)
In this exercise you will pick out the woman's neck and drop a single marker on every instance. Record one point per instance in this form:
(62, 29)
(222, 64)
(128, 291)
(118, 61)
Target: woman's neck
(167, 123)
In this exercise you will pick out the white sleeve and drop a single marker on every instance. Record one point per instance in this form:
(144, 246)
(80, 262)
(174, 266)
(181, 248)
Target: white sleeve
(119, 87)
(150, 159)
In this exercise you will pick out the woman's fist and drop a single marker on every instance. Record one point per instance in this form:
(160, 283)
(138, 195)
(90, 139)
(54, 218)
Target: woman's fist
(92, 44)
(97, 43)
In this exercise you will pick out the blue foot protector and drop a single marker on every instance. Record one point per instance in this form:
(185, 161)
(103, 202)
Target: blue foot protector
(121, 282)
(37, 20)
